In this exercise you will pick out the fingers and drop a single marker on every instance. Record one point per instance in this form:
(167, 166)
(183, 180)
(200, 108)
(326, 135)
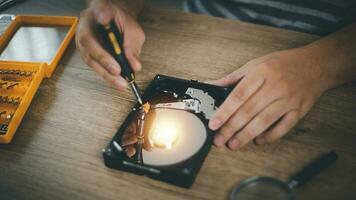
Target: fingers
(244, 114)
(119, 82)
(287, 122)
(91, 46)
(230, 79)
(95, 56)
(134, 38)
(132, 56)
(258, 125)
(237, 75)
(103, 13)
(243, 91)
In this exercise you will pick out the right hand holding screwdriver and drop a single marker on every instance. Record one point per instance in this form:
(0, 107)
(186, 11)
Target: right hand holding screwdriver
(93, 53)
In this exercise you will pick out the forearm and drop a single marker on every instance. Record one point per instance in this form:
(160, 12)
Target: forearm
(134, 7)
(335, 56)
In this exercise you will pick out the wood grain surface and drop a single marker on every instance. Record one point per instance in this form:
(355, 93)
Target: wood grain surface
(56, 153)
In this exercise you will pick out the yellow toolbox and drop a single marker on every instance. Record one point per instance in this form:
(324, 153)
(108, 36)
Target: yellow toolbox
(31, 47)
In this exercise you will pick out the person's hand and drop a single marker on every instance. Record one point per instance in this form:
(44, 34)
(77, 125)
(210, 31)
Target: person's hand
(92, 52)
(273, 93)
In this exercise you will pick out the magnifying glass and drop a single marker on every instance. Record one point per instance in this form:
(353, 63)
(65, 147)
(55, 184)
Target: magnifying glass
(261, 187)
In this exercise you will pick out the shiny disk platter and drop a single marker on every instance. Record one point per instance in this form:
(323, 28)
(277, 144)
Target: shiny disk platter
(184, 138)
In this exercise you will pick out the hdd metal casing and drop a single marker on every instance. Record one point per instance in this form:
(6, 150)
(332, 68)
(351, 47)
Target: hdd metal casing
(182, 173)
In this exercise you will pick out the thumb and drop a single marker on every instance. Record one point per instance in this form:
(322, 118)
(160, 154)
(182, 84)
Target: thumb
(132, 56)
(134, 38)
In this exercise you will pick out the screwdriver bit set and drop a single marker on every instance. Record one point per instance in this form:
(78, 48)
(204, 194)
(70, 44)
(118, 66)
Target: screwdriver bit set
(30, 49)
(18, 84)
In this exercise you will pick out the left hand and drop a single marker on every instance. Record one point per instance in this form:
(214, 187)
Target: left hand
(274, 92)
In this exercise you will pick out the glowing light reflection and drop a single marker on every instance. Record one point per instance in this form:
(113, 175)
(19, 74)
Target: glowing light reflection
(164, 134)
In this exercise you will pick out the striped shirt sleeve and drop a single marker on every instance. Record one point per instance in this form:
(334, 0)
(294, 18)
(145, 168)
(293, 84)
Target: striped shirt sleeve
(318, 16)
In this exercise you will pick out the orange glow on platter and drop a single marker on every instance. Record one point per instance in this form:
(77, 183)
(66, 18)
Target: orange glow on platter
(164, 134)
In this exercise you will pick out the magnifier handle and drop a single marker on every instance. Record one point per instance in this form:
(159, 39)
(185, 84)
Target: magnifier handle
(311, 170)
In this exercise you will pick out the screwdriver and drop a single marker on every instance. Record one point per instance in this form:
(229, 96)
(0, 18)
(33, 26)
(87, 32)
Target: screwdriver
(113, 41)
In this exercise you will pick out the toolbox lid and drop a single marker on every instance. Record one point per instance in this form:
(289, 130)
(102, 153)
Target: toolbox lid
(37, 39)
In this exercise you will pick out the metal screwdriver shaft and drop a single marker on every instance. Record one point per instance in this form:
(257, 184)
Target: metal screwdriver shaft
(136, 91)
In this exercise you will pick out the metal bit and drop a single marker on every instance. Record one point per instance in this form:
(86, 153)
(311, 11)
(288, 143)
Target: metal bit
(12, 85)
(28, 73)
(4, 99)
(3, 83)
(136, 91)
(10, 100)
(16, 101)
(9, 116)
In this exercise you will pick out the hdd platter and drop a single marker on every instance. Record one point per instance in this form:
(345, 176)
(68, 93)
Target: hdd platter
(168, 138)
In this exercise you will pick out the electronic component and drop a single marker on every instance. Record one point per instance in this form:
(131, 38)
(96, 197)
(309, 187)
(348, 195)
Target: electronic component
(175, 137)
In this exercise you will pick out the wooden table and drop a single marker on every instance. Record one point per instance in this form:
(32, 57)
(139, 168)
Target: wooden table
(56, 153)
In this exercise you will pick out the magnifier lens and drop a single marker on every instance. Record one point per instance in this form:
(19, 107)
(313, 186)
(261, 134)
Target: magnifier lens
(262, 188)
